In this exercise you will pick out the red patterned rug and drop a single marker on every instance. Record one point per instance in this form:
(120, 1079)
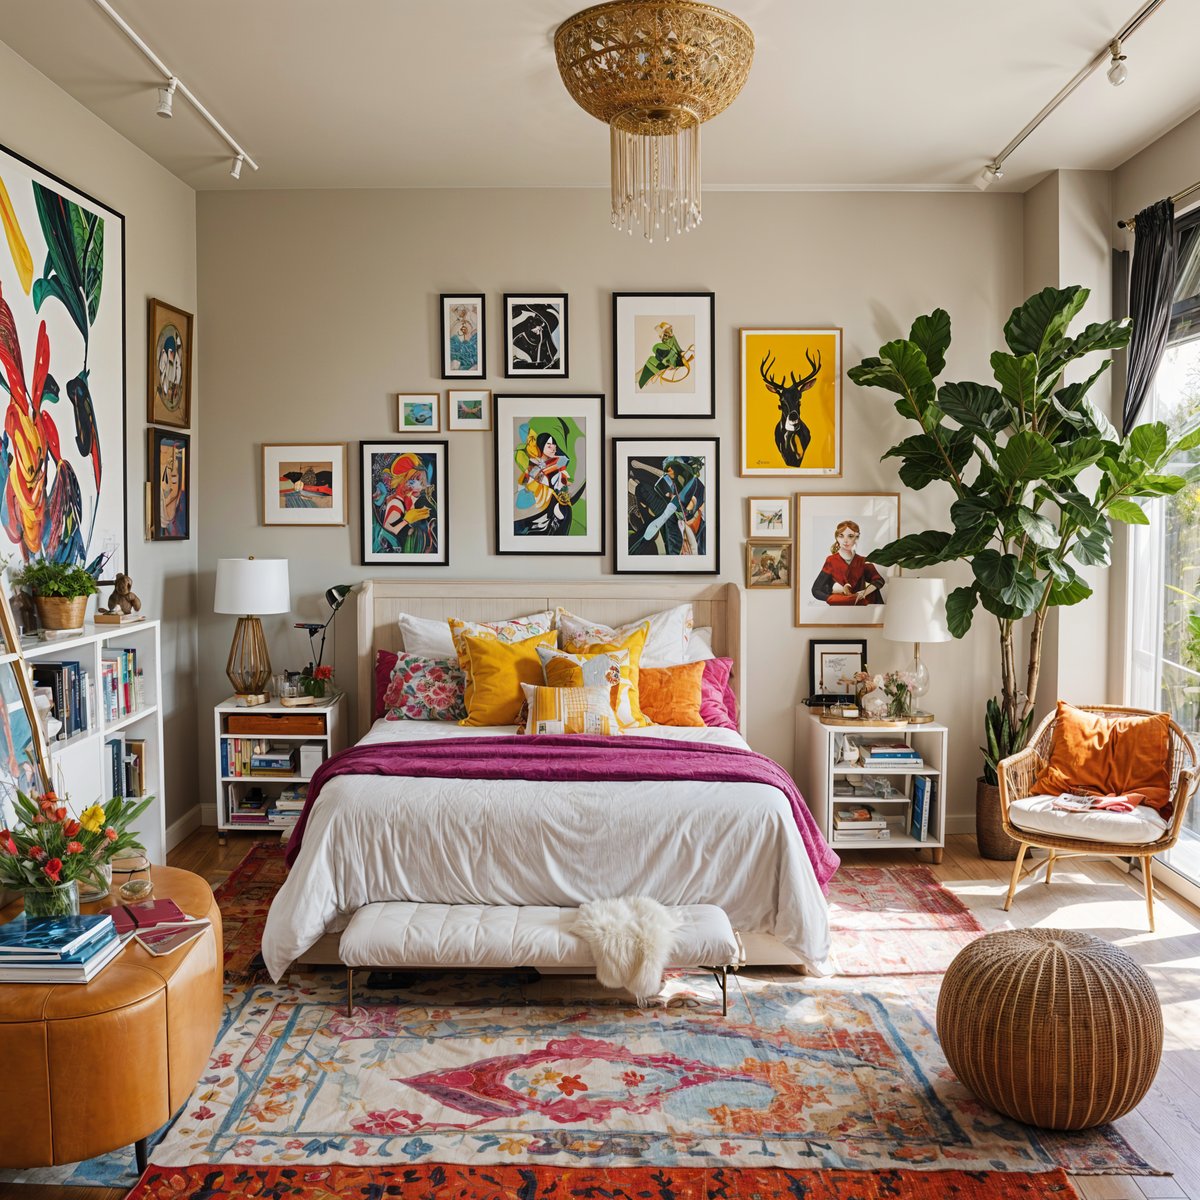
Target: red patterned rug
(427, 1181)
(244, 899)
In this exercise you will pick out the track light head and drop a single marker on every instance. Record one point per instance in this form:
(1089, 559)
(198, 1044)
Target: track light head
(1117, 72)
(989, 175)
(236, 169)
(166, 96)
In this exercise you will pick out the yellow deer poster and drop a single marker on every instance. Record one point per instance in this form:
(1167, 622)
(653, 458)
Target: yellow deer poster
(792, 402)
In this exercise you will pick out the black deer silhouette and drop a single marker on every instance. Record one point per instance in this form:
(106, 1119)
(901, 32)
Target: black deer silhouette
(790, 429)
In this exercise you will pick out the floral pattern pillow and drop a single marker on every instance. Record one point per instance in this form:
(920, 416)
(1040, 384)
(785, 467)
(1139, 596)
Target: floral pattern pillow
(424, 689)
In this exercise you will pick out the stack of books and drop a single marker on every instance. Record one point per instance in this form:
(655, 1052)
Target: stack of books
(121, 682)
(159, 926)
(57, 949)
(68, 685)
(898, 755)
(924, 798)
(274, 760)
(859, 824)
(248, 809)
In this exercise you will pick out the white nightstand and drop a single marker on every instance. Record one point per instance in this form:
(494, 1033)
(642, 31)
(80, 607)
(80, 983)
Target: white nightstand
(817, 769)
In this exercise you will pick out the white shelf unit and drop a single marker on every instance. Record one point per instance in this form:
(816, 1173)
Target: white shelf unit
(817, 767)
(79, 765)
(270, 724)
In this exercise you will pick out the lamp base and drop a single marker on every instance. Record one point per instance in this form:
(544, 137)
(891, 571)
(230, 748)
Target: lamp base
(252, 699)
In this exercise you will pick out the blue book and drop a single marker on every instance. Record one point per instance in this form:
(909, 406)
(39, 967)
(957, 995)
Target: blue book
(919, 821)
(76, 958)
(50, 937)
(60, 972)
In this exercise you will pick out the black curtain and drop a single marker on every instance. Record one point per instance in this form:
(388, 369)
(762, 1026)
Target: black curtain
(1151, 292)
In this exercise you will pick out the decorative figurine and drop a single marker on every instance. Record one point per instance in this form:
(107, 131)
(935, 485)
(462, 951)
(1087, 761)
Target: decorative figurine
(123, 597)
(849, 753)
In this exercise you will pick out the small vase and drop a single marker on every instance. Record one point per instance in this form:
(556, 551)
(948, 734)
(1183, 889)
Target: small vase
(60, 901)
(900, 706)
(98, 884)
(61, 612)
(312, 687)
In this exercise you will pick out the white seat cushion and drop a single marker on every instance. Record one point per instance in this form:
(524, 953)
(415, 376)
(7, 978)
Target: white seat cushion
(403, 934)
(1038, 815)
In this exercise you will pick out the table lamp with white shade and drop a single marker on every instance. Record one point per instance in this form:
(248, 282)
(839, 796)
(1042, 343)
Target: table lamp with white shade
(251, 587)
(915, 611)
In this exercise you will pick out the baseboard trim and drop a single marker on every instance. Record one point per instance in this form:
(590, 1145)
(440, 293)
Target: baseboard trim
(960, 822)
(208, 814)
(179, 829)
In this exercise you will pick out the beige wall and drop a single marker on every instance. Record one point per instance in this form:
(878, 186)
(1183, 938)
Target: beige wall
(319, 306)
(45, 125)
(1163, 168)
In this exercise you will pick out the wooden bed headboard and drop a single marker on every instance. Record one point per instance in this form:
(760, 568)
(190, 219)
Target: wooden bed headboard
(611, 601)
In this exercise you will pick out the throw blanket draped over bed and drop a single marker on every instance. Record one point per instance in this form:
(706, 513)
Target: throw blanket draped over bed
(572, 759)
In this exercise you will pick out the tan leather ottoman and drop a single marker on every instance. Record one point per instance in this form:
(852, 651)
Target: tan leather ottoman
(88, 1068)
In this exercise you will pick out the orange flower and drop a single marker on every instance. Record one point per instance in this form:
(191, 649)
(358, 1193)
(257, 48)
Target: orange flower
(74, 847)
(569, 1084)
(71, 829)
(36, 853)
(111, 834)
(60, 813)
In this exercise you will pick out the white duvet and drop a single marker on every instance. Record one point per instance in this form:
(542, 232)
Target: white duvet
(472, 841)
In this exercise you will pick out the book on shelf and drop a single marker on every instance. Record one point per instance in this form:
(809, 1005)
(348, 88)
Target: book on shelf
(118, 618)
(50, 937)
(923, 799)
(863, 835)
(886, 748)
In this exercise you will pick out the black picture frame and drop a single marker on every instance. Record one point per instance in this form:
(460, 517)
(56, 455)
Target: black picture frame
(446, 303)
(637, 455)
(367, 501)
(508, 408)
(170, 485)
(677, 406)
(561, 368)
(818, 646)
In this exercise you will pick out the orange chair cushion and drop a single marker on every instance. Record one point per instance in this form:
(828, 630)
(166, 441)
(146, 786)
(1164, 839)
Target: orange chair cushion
(671, 695)
(1096, 755)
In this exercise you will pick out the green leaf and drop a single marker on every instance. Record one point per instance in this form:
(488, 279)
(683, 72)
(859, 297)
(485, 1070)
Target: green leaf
(960, 609)
(924, 549)
(1040, 531)
(1074, 503)
(1128, 511)
(1081, 452)
(1163, 485)
(1071, 592)
(1017, 378)
(1101, 425)
(1027, 456)
(1092, 546)
(1148, 442)
(995, 571)
(975, 406)
(1024, 593)
(932, 335)
(1042, 319)
(1103, 335)
(900, 368)
(1189, 441)
(972, 511)
(925, 456)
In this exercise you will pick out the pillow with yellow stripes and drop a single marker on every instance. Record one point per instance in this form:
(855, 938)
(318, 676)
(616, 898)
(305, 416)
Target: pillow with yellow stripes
(569, 710)
(610, 667)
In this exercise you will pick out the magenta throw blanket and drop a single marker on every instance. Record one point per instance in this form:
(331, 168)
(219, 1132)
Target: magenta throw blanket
(574, 759)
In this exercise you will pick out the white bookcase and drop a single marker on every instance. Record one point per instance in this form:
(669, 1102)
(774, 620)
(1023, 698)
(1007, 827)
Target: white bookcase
(817, 768)
(80, 765)
(322, 724)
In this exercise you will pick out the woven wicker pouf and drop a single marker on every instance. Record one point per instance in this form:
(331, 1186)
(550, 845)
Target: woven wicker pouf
(1054, 1027)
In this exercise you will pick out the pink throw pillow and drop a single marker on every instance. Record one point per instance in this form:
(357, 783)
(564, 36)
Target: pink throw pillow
(718, 703)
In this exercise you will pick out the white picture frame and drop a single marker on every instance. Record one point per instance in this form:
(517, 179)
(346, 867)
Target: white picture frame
(304, 483)
(469, 410)
(769, 517)
(419, 412)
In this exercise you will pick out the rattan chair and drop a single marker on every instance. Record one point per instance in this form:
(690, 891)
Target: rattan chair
(1018, 773)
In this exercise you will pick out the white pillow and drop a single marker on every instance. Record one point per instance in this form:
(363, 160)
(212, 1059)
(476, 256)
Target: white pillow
(700, 644)
(428, 639)
(666, 643)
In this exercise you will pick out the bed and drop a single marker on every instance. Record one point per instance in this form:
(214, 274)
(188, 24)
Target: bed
(512, 842)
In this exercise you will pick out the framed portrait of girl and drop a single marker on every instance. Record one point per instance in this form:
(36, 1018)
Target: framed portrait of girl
(403, 504)
(836, 581)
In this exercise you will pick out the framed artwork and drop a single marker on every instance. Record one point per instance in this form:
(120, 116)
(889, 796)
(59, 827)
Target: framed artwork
(792, 402)
(836, 582)
(419, 412)
(666, 512)
(535, 336)
(169, 463)
(404, 499)
(832, 666)
(469, 410)
(770, 517)
(549, 474)
(463, 350)
(663, 345)
(169, 368)
(769, 563)
(304, 483)
(62, 301)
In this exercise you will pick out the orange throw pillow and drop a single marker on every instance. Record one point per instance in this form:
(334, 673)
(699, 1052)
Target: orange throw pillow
(1101, 756)
(671, 695)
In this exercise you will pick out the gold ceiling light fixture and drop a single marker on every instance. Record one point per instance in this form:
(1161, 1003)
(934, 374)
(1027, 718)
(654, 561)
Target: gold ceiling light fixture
(654, 71)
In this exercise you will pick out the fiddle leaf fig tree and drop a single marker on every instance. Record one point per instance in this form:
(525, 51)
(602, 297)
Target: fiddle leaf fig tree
(1013, 452)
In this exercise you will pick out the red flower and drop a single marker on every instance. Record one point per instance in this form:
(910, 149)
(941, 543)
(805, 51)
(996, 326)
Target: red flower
(569, 1084)
(322, 673)
(74, 847)
(111, 834)
(36, 853)
(47, 805)
(60, 813)
(6, 842)
(53, 869)
(51, 796)
(71, 829)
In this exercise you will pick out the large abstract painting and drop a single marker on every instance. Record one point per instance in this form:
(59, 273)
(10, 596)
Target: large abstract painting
(62, 371)
(405, 488)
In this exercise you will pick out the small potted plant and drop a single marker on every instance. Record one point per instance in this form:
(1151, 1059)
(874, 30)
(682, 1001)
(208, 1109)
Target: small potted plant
(60, 591)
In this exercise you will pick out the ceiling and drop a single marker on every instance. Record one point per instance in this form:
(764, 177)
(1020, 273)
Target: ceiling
(465, 93)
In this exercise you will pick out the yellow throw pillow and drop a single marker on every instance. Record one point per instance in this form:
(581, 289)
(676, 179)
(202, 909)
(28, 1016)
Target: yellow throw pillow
(516, 630)
(635, 643)
(569, 710)
(495, 671)
(593, 670)
(672, 695)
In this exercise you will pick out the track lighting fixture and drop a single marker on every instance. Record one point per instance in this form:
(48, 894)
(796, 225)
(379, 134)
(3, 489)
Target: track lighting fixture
(236, 169)
(989, 175)
(1118, 72)
(166, 97)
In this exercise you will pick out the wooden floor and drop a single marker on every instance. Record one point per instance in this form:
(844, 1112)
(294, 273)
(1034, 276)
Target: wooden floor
(1091, 895)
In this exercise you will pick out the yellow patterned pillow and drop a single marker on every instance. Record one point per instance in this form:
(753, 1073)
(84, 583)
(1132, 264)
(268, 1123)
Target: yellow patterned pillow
(593, 670)
(634, 641)
(569, 710)
(516, 630)
(495, 671)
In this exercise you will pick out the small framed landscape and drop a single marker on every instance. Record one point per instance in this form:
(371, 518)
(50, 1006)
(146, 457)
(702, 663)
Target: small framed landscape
(535, 335)
(169, 374)
(403, 503)
(469, 410)
(836, 582)
(769, 563)
(770, 517)
(304, 483)
(464, 353)
(663, 346)
(169, 466)
(549, 474)
(419, 412)
(666, 513)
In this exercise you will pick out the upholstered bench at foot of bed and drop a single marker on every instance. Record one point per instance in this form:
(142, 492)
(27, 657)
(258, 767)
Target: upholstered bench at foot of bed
(397, 935)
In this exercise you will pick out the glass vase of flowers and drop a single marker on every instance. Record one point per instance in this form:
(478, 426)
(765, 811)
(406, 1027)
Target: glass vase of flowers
(313, 680)
(48, 853)
(897, 686)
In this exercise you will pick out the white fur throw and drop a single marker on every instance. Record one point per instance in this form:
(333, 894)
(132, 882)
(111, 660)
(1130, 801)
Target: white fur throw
(631, 938)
